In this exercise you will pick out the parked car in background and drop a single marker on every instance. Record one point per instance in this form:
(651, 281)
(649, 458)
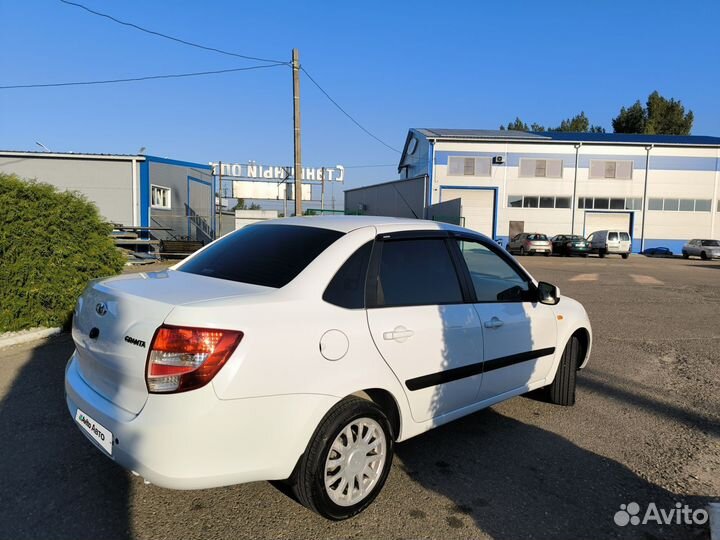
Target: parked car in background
(705, 249)
(607, 242)
(570, 244)
(390, 328)
(658, 252)
(530, 244)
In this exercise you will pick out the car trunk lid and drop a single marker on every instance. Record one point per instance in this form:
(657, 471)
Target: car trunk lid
(115, 320)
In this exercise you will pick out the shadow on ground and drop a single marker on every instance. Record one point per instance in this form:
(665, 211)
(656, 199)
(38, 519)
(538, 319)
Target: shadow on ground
(54, 483)
(513, 480)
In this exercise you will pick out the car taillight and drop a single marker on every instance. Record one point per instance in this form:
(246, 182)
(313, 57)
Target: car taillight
(183, 358)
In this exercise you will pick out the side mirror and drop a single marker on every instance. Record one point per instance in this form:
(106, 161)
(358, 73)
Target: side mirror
(548, 294)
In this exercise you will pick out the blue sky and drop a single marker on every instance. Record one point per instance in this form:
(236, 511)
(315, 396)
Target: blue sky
(392, 65)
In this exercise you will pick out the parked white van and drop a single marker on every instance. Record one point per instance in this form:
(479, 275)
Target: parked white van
(606, 242)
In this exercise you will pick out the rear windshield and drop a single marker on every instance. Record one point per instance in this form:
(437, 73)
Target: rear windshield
(537, 237)
(710, 243)
(268, 255)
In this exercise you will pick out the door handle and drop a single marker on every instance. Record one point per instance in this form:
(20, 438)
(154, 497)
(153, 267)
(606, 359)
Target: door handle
(400, 334)
(493, 323)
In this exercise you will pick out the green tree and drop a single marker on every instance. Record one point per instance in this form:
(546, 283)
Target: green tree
(516, 125)
(661, 116)
(579, 123)
(631, 119)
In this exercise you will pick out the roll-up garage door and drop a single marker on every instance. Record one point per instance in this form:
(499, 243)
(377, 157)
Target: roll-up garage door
(599, 221)
(477, 206)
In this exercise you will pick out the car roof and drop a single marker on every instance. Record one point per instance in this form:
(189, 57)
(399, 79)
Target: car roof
(350, 223)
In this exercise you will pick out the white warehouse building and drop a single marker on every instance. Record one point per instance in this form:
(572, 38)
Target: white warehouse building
(661, 189)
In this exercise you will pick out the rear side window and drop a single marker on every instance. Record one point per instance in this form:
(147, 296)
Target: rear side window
(415, 273)
(268, 255)
(347, 287)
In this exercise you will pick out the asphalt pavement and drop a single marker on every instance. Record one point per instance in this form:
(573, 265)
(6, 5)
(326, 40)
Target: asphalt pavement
(645, 429)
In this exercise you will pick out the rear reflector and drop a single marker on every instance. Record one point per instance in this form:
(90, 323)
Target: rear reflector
(183, 358)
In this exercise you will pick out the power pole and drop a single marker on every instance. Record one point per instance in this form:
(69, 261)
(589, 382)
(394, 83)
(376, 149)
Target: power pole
(296, 125)
(322, 191)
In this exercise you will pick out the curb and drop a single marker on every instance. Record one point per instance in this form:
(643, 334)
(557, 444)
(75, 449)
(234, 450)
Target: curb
(25, 337)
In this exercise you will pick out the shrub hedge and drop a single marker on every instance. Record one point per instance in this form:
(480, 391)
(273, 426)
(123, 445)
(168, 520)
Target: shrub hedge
(51, 244)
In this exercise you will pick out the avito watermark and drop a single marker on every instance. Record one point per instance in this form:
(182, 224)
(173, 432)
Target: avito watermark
(681, 514)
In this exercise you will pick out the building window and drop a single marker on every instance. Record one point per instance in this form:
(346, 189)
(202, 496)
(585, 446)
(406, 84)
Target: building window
(619, 170)
(534, 201)
(469, 166)
(160, 197)
(702, 205)
(681, 205)
(540, 168)
(530, 202)
(671, 205)
(633, 203)
(655, 204)
(547, 202)
(602, 203)
(617, 204)
(687, 205)
(515, 201)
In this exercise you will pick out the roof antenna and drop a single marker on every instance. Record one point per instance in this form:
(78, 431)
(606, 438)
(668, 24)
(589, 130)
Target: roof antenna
(41, 145)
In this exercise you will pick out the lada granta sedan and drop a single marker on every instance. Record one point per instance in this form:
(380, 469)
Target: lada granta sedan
(301, 350)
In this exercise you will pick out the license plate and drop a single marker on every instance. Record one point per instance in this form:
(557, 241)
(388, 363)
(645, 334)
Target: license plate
(101, 434)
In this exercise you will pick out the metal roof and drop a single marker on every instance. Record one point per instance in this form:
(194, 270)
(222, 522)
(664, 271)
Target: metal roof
(69, 155)
(560, 136)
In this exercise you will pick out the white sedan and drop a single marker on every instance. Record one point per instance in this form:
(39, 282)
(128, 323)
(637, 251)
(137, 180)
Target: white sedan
(302, 349)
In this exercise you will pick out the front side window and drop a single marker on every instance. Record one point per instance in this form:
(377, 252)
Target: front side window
(347, 287)
(267, 255)
(416, 272)
(493, 278)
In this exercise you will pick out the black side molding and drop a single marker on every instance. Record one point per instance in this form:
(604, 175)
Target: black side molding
(442, 377)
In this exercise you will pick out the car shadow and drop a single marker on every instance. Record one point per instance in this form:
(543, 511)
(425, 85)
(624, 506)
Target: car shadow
(514, 480)
(54, 484)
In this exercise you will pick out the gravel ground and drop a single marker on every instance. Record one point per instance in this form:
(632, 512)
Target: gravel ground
(646, 428)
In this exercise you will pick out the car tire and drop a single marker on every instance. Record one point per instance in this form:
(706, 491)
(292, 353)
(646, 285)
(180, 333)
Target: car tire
(625, 255)
(310, 475)
(547, 253)
(602, 253)
(522, 251)
(685, 255)
(562, 390)
(703, 256)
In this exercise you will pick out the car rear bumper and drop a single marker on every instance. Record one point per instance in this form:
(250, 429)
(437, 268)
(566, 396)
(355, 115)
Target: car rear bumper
(194, 440)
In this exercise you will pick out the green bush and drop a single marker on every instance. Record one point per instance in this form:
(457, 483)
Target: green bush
(51, 244)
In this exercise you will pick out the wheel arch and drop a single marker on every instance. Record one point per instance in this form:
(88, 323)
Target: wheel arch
(583, 336)
(387, 402)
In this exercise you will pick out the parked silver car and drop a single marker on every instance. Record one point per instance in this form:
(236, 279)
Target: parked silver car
(705, 249)
(530, 244)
